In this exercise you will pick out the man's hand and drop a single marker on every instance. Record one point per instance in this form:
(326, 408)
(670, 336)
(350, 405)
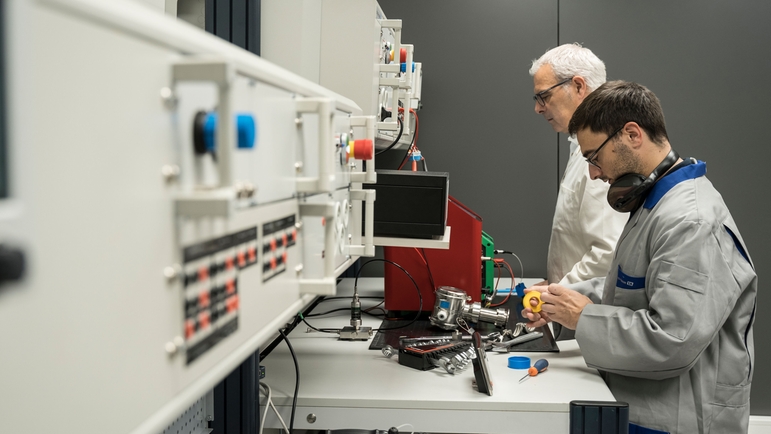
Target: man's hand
(563, 305)
(560, 304)
(536, 319)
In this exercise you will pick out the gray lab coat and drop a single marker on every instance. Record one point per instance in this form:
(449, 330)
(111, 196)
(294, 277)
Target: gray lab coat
(673, 335)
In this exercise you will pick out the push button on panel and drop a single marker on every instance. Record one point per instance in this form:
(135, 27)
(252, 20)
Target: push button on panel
(205, 132)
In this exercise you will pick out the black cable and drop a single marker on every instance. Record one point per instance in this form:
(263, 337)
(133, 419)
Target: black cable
(506, 252)
(319, 330)
(378, 316)
(420, 296)
(335, 310)
(346, 298)
(289, 328)
(297, 380)
(328, 312)
(398, 137)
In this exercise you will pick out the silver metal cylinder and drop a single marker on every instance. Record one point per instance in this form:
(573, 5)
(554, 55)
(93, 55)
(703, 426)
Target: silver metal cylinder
(474, 312)
(448, 307)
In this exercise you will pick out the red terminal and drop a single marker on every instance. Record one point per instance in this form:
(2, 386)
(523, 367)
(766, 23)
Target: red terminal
(203, 319)
(241, 259)
(231, 303)
(252, 254)
(272, 244)
(203, 273)
(283, 257)
(189, 328)
(283, 239)
(273, 263)
(230, 286)
(203, 299)
(228, 263)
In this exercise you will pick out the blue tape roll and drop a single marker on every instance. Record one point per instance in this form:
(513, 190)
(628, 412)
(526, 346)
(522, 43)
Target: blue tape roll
(519, 362)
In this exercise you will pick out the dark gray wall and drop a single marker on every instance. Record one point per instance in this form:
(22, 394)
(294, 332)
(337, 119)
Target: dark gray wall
(709, 62)
(477, 120)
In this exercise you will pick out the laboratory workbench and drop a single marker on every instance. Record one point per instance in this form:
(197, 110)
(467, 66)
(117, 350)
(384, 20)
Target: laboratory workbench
(344, 385)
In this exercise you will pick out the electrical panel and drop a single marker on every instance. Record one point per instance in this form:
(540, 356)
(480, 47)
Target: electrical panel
(350, 47)
(175, 199)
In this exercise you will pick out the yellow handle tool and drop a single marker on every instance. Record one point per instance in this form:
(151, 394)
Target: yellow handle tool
(530, 295)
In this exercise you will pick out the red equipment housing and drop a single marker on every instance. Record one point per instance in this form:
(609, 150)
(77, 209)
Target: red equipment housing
(459, 266)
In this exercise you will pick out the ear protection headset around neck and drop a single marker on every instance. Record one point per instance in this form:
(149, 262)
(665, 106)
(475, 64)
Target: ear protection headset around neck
(628, 192)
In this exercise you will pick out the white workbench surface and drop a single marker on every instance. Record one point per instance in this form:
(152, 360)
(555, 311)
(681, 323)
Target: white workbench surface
(345, 385)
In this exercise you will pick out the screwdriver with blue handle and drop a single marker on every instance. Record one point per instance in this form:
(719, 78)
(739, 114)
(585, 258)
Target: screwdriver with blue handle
(538, 367)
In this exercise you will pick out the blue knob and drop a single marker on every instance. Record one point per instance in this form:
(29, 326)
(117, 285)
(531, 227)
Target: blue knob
(246, 131)
(404, 67)
(210, 131)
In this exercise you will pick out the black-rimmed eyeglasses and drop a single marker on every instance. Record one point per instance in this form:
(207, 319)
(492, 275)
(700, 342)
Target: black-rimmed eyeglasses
(539, 97)
(592, 158)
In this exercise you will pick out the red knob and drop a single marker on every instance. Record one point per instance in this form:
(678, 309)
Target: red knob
(402, 55)
(363, 149)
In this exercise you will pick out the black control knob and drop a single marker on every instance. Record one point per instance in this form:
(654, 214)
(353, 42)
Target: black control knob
(11, 263)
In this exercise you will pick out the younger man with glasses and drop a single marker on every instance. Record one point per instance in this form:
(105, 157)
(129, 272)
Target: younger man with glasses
(670, 327)
(585, 229)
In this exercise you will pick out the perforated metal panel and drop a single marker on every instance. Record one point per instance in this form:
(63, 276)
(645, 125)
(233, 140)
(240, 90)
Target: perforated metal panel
(195, 419)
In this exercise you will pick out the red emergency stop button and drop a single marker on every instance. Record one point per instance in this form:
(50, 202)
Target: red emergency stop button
(362, 149)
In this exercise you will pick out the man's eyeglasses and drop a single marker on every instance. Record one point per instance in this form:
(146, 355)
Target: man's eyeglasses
(539, 97)
(592, 158)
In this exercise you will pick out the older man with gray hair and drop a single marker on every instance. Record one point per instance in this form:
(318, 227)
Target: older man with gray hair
(585, 229)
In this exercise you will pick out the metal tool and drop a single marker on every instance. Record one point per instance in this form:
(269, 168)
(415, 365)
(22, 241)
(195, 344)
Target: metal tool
(539, 366)
(505, 347)
(456, 336)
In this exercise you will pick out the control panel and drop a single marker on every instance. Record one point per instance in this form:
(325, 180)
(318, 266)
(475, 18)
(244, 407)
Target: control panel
(352, 48)
(279, 237)
(211, 272)
(184, 201)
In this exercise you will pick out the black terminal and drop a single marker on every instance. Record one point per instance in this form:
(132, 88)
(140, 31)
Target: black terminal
(12, 263)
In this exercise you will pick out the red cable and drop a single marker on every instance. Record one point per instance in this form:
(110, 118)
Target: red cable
(512, 286)
(413, 146)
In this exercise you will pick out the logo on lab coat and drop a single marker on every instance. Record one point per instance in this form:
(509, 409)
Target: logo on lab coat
(629, 282)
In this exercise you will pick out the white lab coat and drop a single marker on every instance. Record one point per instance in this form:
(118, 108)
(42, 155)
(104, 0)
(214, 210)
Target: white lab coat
(585, 228)
(673, 335)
